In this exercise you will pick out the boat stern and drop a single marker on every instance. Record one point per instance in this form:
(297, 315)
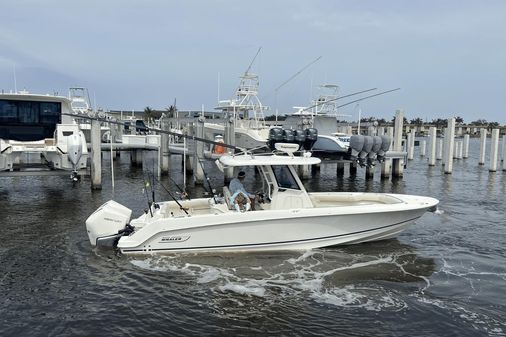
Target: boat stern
(108, 223)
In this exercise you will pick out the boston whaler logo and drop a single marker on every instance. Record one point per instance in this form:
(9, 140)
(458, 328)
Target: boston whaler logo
(175, 238)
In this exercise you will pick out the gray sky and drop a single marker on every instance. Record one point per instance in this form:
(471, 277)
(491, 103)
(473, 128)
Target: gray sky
(449, 57)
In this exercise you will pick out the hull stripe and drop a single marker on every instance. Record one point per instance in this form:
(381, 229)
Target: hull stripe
(267, 243)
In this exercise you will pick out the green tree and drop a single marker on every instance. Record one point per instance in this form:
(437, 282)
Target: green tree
(148, 114)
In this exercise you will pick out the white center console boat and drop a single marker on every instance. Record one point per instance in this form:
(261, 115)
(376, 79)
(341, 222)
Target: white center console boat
(288, 218)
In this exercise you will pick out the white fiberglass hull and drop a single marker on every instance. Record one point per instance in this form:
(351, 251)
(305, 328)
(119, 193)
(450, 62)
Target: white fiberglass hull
(290, 229)
(246, 138)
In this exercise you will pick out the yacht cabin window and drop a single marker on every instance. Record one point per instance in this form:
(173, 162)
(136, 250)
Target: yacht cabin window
(284, 177)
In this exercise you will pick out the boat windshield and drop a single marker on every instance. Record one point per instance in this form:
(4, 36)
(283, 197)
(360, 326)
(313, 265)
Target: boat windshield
(284, 177)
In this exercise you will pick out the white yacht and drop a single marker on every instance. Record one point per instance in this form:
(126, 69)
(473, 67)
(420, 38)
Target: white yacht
(34, 132)
(287, 218)
(246, 112)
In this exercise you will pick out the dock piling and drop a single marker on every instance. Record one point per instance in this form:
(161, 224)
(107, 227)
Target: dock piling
(432, 145)
(449, 140)
(398, 164)
(483, 146)
(96, 156)
(465, 154)
(494, 149)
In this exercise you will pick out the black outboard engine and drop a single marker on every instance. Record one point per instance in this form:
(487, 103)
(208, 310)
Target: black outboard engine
(275, 136)
(300, 137)
(385, 146)
(288, 136)
(311, 138)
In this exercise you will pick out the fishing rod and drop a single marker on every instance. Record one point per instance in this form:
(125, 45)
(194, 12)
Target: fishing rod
(183, 192)
(212, 190)
(338, 98)
(146, 184)
(171, 195)
(361, 99)
(186, 136)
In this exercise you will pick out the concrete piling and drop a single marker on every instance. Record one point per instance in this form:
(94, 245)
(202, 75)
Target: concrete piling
(423, 145)
(465, 151)
(229, 138)
(449, 147)
(164, 147)
(198, 152)
(503, 157)
(398, 164)
(410, 147)
(504, 153)
(386, 165)
(439, 150)
(96, 156)
(494, 149)
(483, 146)
(432, 145)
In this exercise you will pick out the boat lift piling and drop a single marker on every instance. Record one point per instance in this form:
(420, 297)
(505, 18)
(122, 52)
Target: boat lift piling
(229, 138)
(504, 153)
(494, 149)
(423, 146)
(96, 156)
(198, 152)
(483, 146)
(432, 145)
(465, 151)
(449, 141)
(164, 156)
(439, 150)
(398, 163)
(410, 144)
(386, 165)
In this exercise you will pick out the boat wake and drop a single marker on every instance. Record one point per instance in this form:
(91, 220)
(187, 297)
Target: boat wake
(325, 277)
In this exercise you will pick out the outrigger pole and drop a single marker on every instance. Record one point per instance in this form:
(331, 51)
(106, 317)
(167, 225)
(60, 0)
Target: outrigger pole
(357, 100)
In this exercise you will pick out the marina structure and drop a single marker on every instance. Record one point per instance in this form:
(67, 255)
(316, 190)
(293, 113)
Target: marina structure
(36, 137)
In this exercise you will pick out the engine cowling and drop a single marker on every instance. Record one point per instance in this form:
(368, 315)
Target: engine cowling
(107, 223)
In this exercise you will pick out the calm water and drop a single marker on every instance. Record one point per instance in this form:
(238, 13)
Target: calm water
(444, 276)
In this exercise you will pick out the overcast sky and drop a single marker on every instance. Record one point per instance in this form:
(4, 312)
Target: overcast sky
(448, 57)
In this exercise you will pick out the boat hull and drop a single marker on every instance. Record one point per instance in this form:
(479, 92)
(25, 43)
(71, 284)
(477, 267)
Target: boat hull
(297, 229)
(245, 138)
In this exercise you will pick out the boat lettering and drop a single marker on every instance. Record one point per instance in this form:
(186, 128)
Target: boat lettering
(113, 220)
(174, 239)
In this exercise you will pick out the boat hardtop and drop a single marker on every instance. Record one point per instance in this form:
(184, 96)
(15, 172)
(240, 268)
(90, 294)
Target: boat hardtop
(267, 159)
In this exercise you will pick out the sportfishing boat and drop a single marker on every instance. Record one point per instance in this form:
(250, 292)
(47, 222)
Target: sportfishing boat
(36, 133)
(286, 216)
(246, 112)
